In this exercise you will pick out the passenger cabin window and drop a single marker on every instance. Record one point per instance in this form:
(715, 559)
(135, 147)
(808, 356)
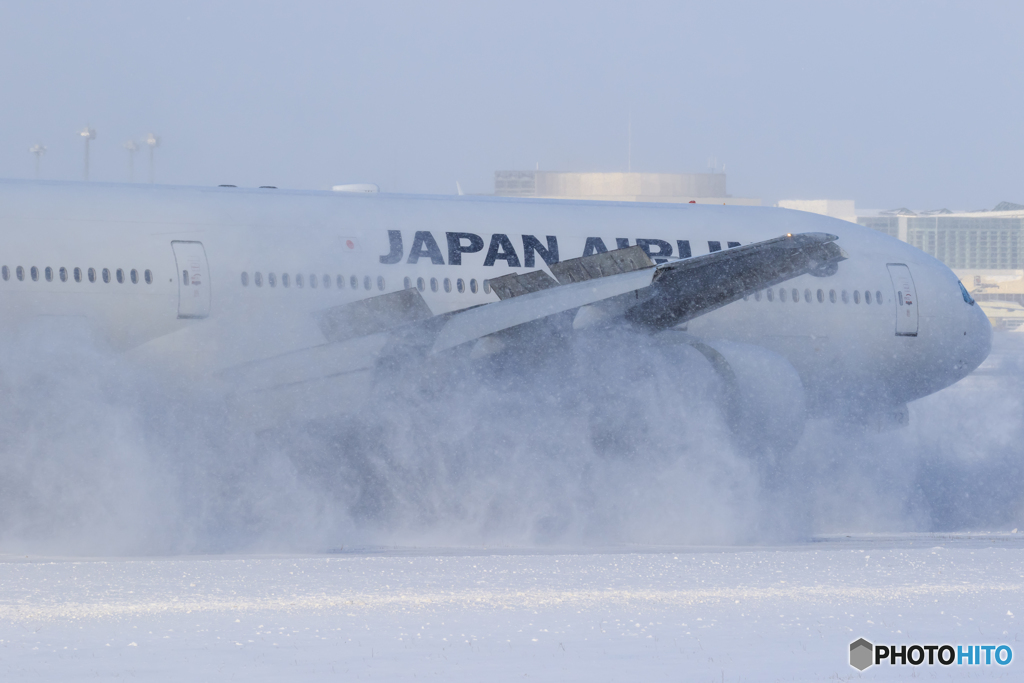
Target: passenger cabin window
(106, 274)
(856, 296)
(78, 274)
(366, 282)
(770, 293)
(472, 286)
(312, 281)
(5, 272)
(380, 282)
(821, 297)
(420, 285)
(64, 274)
(286, 280)
(258, 278)
(148, 275)
(271, 279)
(782, 295)
(119, 275)
(846, 297)
(327, 281)
(34, 272)
(245, 279)
(487, 287)
(832, 295)
(353, 282)
(341, 282)
(460, 285)
(48, 274)
(447, 285)
(867, 297)
(757, 295)
(92, 275)
(20, 272)
(796, 296)
(433, 284)
(298, 280)
(878, 297)
(134, 275)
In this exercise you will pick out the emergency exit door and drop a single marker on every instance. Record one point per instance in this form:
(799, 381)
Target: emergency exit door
(193, 279)
(906, 300)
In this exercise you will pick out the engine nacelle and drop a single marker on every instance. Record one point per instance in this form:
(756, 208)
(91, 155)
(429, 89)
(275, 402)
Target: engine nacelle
(760, 393)
(756, 391)
(765, 397)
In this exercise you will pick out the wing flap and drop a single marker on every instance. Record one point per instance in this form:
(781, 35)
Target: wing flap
(370, 316)
(601, 265)
(508, 286)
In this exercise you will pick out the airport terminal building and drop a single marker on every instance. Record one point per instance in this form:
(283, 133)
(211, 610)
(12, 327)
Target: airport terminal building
(978, 240)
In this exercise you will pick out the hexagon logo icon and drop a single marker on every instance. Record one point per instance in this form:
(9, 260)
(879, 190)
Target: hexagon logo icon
(861, 654)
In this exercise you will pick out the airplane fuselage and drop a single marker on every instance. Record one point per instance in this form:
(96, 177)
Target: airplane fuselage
(204, 279)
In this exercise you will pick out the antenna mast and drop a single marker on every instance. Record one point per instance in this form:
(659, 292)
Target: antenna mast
(132, 149)
(39, 151)
(153, 140)
(87, 134)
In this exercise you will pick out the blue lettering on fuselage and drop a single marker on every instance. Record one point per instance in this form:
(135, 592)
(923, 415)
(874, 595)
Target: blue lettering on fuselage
(501, 248)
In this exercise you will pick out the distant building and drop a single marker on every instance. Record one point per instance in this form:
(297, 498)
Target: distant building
(994, 285)
(999, 293)
(886, 221)
(977, 240)
(681, 188)
(836, 208)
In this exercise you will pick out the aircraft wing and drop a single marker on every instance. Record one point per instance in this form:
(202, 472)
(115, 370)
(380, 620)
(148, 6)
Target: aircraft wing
(627, 283)
(621, 285)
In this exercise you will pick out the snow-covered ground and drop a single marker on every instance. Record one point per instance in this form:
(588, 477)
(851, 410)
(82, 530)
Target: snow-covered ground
(626, 614)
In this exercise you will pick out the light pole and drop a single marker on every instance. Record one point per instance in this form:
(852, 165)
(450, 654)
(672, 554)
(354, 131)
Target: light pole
(153, 141)
(39, 151)
(88, 134)
(132, 149)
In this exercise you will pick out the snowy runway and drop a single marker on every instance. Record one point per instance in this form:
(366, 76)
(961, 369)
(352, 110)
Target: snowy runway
(646, 614)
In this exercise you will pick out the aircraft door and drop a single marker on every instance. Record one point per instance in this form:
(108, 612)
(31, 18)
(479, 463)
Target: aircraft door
(906, 300)
(193, 279)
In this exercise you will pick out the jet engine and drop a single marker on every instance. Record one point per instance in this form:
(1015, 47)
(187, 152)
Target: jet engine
(764, 397)
(756, 392)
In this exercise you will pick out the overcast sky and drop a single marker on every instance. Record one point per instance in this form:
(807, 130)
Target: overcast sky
(891, 104)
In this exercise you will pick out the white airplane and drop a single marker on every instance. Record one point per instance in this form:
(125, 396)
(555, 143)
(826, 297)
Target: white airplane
(290, 298)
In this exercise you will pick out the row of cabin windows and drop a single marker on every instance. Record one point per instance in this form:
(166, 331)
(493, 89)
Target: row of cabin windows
(314, 281)
(794, 295)
(353, 282)
(460, 285)
(76, 273)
